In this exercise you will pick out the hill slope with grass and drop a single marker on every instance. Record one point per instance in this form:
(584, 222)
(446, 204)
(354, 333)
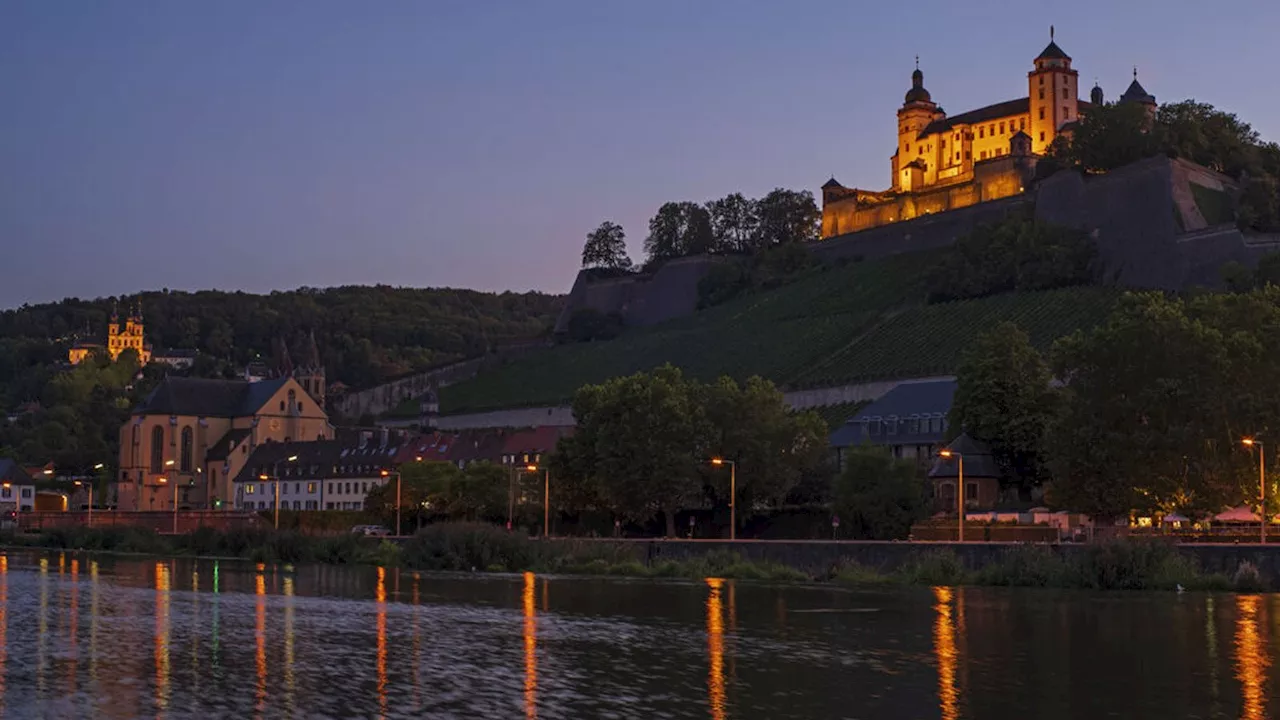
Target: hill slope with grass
(834, 325)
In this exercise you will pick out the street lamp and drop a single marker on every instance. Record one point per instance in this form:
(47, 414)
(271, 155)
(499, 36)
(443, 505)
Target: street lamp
(275, 470)
(1262, 486)
(387, 473)
(168, 464)
(733, 495)
(546, 498)
(959, 486)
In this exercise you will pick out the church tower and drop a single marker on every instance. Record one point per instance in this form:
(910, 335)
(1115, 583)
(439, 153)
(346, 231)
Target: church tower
(1053, 88)
(913, 160)
(310, 371)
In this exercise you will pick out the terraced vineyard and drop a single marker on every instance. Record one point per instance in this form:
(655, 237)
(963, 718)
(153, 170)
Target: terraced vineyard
(840, 324)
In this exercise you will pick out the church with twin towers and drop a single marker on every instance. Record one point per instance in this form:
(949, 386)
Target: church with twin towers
(944, 162)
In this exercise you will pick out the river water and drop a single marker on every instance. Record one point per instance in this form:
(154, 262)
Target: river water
(111, 638)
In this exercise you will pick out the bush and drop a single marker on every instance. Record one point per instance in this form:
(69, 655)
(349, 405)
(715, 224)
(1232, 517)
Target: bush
(1247, 578)
(1017, 254)
(469, 546)
(935, 567)
(1025, 566)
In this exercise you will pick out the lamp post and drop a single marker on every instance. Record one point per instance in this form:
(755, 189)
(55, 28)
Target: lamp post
(1262, 487)
(959, 487)
(546, 498)
(387, 473)
(733, 495)
(166, 478)
(275, 477)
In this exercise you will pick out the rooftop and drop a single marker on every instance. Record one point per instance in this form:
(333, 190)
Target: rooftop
(208, 398)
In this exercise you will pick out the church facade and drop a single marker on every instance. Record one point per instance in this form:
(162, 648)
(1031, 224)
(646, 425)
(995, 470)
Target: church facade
(120, 337)
(946, 162)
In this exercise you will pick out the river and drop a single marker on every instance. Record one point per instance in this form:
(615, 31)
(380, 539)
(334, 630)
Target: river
(85, 637)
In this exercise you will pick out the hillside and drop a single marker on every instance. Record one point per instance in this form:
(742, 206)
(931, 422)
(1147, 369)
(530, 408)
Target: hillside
(366, 335)
(838, 324)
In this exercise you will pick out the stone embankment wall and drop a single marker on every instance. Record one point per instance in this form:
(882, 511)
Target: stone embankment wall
(820, 556)
(642, 299)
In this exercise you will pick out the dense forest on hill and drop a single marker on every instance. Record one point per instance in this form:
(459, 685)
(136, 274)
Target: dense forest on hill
(365, 335)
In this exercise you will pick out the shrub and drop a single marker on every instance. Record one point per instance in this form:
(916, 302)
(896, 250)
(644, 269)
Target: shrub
(935, 567)
(469, 546)
(1247, 578)
(1025, 566)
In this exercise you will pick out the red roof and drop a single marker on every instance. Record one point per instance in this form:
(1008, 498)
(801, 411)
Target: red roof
(535, 440)
(481, 444)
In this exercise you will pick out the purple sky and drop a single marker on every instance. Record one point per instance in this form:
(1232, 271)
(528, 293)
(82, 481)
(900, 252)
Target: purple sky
(254, 145)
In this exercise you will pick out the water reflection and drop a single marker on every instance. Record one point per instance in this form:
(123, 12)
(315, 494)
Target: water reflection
(944, 648)
(4, 628)
(42, 640)
(290, 682)
(1251, 657)
(161, 637)
(715, 649)
(530, 648)
(381, 599)
(260, 635)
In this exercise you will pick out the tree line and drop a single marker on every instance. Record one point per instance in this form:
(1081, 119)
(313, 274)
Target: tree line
(732, 224)
(1149, 410)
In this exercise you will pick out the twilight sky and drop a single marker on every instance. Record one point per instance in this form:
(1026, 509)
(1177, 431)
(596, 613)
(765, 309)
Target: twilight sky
(242, 144)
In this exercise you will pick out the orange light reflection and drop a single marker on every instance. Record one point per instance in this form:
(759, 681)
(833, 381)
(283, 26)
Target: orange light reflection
(4, 626)
(715, 649)
(260, 634)
(944, 647)
(530, 647)
(73, 625)
(289, 680)
(382, 642)
(1251, 658)
(161, 638)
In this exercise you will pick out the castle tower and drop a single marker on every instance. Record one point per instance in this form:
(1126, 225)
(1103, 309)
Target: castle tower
(1052, 88)
(914, 161)
(310, 372)
(1137, 94)
(1095, 95)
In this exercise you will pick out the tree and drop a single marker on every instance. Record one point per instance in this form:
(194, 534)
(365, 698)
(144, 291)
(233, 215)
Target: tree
(678, 229)
(1207, 136)
(1014, 254)
(787, 216)
(1108, 137)
(1156, 400)
(879, 497)
(606, 247)
(440, 489)
(1003, 398)
(643, 439)
(734, 223)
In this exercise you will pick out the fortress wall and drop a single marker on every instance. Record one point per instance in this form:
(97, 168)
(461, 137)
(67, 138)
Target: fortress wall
(922, 233)
(643, 299)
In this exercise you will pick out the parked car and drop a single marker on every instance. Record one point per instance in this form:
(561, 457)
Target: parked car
(371, 530)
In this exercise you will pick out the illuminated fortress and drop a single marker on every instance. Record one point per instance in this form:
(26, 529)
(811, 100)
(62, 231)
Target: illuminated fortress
(942, 163)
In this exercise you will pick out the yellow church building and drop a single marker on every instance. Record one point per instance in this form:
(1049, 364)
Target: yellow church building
(120, 337)
(946, 162)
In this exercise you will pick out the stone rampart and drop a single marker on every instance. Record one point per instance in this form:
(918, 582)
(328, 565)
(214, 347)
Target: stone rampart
(641, 299)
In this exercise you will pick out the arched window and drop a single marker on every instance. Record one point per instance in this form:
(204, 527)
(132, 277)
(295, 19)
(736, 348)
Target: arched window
(293, 402)
(157, 449)
(185, 455)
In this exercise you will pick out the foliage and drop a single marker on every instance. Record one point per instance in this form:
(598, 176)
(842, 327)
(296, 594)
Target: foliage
(1016, 254)
(1108, 137)
(735, 221)
(589, 324)
(787, 216)
(678, 229)
(1156, 402)
(606, 247)
(878, 497)
(439, 490)
(767, 269)
(1003, 399)
(644, 445)
(469, 546)
(1239, 278)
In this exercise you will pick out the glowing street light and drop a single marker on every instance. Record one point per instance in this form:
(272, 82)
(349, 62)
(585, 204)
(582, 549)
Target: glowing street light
(959, 485)
(387, 473)
(546, 497)
(733, 495)
(1262, 486)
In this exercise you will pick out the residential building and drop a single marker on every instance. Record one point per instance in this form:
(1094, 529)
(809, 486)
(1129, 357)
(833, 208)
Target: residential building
(910, 420)
(17, 488)
(198, 434)
(981, 476)
(528, 446)
(317, 475)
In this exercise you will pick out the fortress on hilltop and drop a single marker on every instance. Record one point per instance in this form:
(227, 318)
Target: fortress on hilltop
(946, 162)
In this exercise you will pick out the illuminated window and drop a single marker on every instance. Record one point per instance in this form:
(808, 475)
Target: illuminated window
(1001, 128)
(311, 488)
(249, 490)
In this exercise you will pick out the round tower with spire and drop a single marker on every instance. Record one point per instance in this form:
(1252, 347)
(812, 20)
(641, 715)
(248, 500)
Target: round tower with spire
(913, 159)
(1138, 95)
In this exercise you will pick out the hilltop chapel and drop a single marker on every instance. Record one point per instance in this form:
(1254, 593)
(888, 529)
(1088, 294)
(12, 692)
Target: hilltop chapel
(942, 163)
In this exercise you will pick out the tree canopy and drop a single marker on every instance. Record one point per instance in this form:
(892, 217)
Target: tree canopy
(878, 497)
(606, 247)
(1017, 253)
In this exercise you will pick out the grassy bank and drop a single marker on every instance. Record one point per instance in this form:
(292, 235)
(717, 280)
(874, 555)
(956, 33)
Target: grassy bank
(1118, 565)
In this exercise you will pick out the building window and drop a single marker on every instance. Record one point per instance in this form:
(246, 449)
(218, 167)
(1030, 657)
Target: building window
(293, 400)
(1041, 79)
(982, 155)
(284, 488)
(185, 453)
(1042, 136)
(1041, 113)
(157, 449)
(970, 492)
(1064, 93)
(281, 406)
(1001, 128)
(26, 492)
(328, 506)
(1066, 113)
(1022, 123)
(968, 154)
(982, 132)
(913, 426)
(249, 489)
(957, 156)
(908, 147)
(891, 425)
(992, 129)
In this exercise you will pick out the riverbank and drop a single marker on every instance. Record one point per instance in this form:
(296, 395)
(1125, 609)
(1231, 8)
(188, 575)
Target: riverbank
(1113, 565)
